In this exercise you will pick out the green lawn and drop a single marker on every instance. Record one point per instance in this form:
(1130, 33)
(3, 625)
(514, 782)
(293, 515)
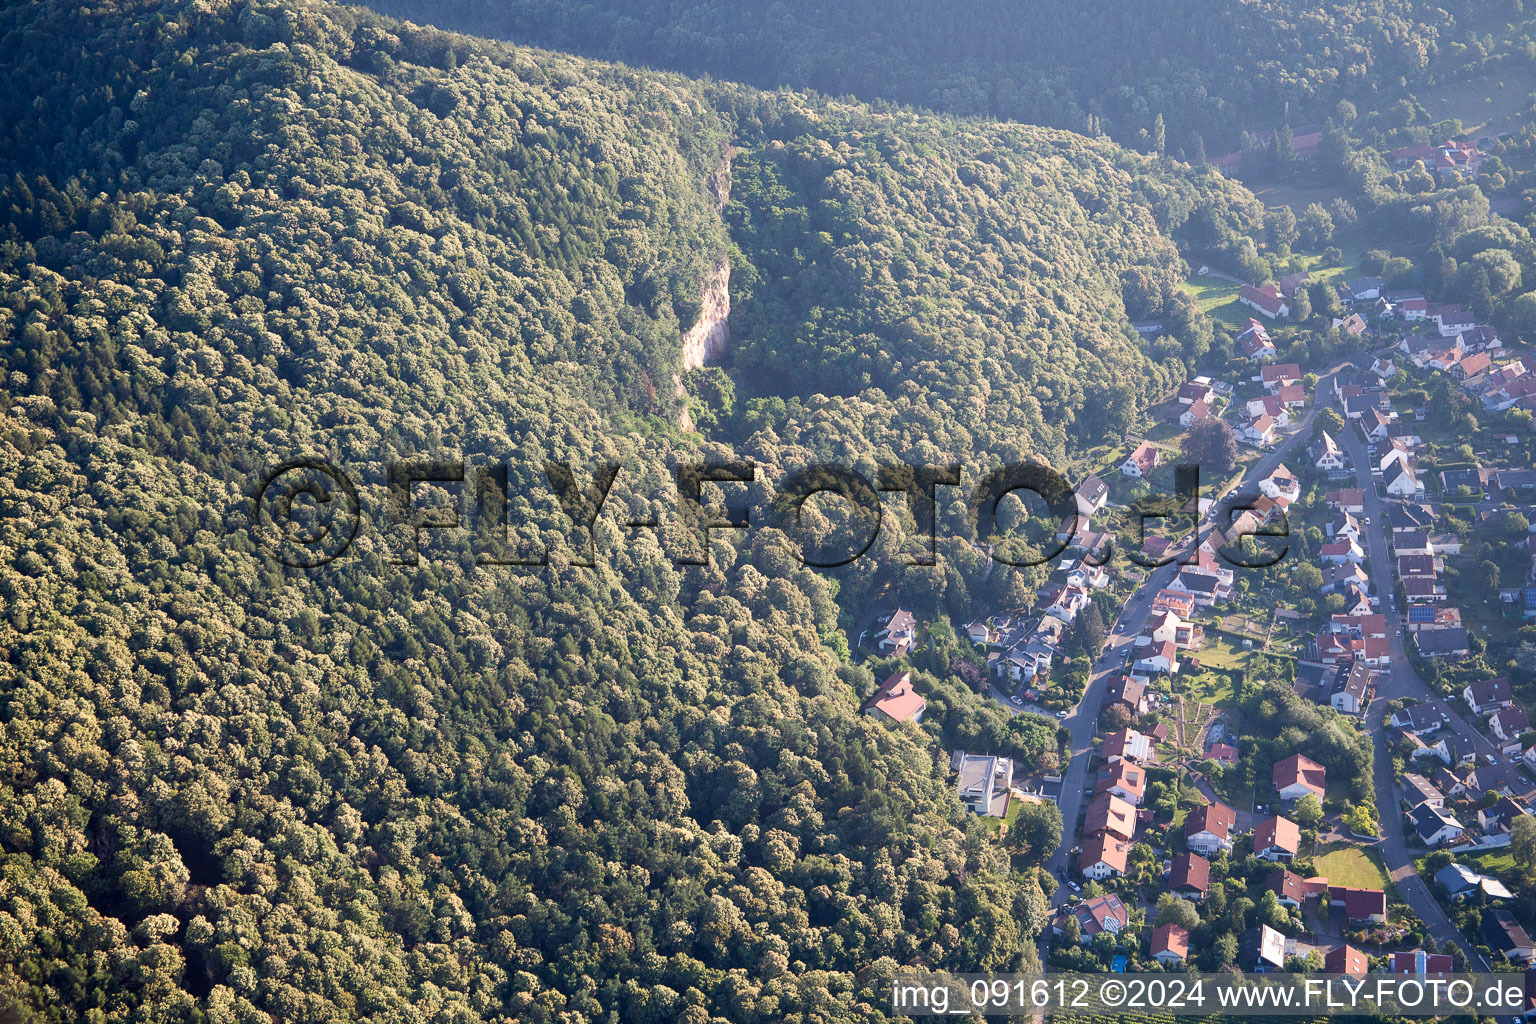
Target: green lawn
(1499, 863)
(1206, 687)
(1353, 866)
(1219, 652)
(1217, 298)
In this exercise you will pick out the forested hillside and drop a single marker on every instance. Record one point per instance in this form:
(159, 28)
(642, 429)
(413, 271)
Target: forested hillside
(241, 233)
(1153, 75)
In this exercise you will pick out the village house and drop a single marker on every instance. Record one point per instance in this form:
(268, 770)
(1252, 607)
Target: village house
(1279, 375)
(1353, 325)
(1353, 692)
(1434, 825)
(1420, 719)
(896, 700)
(1347, 499)
(1509, 723)
(1289, 887)
(1499, 816)
(1419, 964)
(1091, 495)
(1170, 944)
(1064, 602)
(1128, 692)
(1261, 949)
(983, 782)
(1123, 779)
(1503, 778)
(1104, 856)
(1281, 483)
(1192, 391)
(1197, 412)
(1343, 524)
(1276, 839)
(1451, 642)
(1189, 878)
(1328, 457)
(1079, 573)
(1344, 575)
(1341, 550)
(1361, 906)
(1100, 914)
(1298, 775)
(1265, 299)
(1417, 791)
(1487, 695)
(1423, 589)
(1254, 342)
(894, 633)
(1157, 658)
(1144, 458)
(1208, 829)
(1259, 432)
(1346, 960)
(1127, 744)
(1461, 881)
(1506, 935)
(1401, 482)
(1271, 406)
(1110, 815)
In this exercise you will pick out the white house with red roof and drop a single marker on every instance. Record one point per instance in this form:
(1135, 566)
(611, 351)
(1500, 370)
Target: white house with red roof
(1299, 775)
(1142, 460)
(1279, 375)
(1276, 839)
(1265, 299)
(1253, 341)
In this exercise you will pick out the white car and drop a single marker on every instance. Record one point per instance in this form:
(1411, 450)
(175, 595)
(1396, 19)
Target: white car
(1061, 714)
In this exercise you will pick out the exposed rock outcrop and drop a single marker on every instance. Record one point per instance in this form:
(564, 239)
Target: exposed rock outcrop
(707, 339)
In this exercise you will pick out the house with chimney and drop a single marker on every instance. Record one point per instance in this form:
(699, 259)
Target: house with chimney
(896, 700)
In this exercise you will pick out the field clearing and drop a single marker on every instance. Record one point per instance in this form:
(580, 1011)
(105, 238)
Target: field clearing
(1487, 102)
(1217, 298)
(1298, 199)
(1351, 866)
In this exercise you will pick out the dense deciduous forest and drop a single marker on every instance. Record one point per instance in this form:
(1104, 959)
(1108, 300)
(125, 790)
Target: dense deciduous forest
(238, 233)
(1157, 76)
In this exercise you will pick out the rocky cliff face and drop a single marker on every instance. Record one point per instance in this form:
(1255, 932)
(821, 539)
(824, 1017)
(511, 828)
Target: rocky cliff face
(707, 339)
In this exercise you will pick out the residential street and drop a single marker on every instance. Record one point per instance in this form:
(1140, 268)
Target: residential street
(1400, 681)
(1083, 719)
